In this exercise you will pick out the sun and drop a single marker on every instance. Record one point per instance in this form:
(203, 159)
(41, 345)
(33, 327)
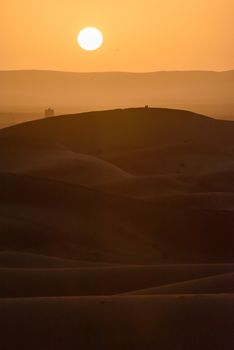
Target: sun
(90, 39)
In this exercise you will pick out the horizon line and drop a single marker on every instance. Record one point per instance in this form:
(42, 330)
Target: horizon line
(118, 71)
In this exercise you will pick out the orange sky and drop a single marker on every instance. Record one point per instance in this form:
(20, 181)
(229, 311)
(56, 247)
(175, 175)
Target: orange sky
(139, 35)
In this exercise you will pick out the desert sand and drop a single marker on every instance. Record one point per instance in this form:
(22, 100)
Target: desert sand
(135, 322)
(117, 232)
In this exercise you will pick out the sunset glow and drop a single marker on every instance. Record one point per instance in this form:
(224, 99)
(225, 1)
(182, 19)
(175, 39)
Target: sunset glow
(139, 36)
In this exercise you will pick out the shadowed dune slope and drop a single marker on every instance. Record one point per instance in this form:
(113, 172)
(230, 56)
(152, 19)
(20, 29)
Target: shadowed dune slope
(139, 322)
(207, 285)
(27, 260)
(198, 201)
(98, 280)
(140, 141)
(216, 181)
(45, 207)
(148, 186)
(51, 160)
(116, 130)
(185, 157)
(134, 204)
(79, 169)
(56, 218)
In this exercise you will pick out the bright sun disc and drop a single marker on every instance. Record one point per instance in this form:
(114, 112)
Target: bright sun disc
(90, 39)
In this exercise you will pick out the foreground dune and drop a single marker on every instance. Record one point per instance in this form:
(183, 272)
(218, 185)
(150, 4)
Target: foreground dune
(135, 322)
(97, 280)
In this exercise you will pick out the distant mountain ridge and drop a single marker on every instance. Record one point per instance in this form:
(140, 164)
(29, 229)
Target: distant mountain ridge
(200, 91)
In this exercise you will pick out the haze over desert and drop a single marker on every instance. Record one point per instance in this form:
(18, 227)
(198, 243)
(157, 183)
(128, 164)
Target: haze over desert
(116, 175)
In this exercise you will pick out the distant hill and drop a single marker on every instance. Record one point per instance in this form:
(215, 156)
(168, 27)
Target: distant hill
(105, 132)
(204, 92)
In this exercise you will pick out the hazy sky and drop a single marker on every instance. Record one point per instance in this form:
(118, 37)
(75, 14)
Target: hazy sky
(139, 35)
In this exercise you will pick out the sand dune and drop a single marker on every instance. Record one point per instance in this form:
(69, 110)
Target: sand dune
(187, 158)
(107, 222)
(56, 218)
(97, 280)
(219, 201)
(54, 161)
(206, 285)
(126, 130)
(28, 260)
(79, 169)
(217, 181)
(148, 186)
(140, 141)
(66, 219)
(135, 322)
